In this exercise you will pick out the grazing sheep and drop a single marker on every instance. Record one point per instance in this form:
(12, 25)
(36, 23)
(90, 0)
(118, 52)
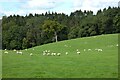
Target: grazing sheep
(84, 49)
(89, 49)
(117, 45)
(5, 49)
(14, 50)
(31, 54)
(58, 54)
(26, 49)
(66, 53)
(78, 52)
(48, 51)
(54, 54)
(100, 50)
(19, 52)
(44, 53)
(6, 52)
(48, 54)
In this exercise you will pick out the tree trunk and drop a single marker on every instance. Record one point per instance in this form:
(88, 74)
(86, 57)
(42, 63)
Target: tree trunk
(56, 36)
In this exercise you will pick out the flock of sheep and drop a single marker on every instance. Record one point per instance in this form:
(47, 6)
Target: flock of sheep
(50, 53)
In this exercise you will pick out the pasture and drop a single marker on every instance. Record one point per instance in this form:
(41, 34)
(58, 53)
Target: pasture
(90, 63)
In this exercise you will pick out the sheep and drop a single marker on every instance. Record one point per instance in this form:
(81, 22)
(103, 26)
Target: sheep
(58, 54)
(53, 54)
(14, 50)
(25, 49)
(78, 52)
(48, 51)
(5, 49)
(116, 44)
(48, 54)
(84, 49)
(89, 49)
(19, 52)
(99, 50)
(31, 54)
(44, 53)
(66, 53)
(6, 52)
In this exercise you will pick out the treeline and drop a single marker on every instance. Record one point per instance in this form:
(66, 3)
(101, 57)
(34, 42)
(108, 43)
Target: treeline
(19, 32)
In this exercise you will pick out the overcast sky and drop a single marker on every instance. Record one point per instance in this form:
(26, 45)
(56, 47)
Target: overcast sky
(23, 7)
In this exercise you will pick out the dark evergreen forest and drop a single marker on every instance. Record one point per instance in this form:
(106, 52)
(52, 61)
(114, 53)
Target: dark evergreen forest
(21, 32)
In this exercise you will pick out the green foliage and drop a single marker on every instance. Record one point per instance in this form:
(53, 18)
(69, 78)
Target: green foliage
(45, 28)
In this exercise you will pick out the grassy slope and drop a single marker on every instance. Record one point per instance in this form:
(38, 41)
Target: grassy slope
(89, 64)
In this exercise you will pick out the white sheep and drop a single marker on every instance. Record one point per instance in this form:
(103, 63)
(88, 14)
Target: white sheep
(14, 50)
(5, 49)
(25, 49)
(20, 52)
(54, 54)
(58, 54)
(48, 51)
(89, 49)
(84, 49)
(48, 54)
(78, 52)
(100, 50)
(66, 53)
(116, 44)
(6, 52)
(31, 54)
(44, 53)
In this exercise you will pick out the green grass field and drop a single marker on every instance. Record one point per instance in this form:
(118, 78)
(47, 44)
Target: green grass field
(87, 64)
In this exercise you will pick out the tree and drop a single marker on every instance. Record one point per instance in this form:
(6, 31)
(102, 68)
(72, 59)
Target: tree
(52, 27)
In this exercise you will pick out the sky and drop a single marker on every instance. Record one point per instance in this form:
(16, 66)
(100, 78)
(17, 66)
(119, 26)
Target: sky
(24, 7)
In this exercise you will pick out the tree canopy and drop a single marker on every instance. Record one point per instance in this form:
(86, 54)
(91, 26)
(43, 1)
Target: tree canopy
(20, 32)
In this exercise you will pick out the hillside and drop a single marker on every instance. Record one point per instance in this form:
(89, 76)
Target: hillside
(90, 63)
